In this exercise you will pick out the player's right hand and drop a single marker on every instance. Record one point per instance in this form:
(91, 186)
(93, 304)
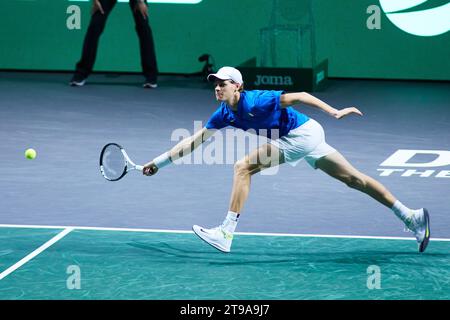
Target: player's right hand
(96, 5)
(150, 169)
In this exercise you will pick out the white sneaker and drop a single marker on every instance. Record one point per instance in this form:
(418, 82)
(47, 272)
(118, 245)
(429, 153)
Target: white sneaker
(77, 80)
(419, 224)
(75, 83)
(150, 85)
(217, 237)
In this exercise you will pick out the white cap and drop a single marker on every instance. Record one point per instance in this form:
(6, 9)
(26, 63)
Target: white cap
(227, 73)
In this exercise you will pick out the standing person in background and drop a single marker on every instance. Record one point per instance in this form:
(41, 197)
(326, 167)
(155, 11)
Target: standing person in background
(100, 12)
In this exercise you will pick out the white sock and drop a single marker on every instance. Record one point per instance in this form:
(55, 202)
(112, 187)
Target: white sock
(230, 222)
(401, 211)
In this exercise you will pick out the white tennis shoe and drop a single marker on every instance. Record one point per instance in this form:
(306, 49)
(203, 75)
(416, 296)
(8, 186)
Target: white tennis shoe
(217, 237)
(419, 224)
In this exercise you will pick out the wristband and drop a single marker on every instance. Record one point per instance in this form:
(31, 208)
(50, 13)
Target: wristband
(162, 160)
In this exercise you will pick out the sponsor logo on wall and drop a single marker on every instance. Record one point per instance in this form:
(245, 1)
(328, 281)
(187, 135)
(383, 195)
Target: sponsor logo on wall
(424, 18)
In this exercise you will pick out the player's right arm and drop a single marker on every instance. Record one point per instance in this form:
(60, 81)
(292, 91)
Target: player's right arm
(181, 149)
(189, 144)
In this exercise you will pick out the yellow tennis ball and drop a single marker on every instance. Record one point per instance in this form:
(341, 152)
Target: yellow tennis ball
(30, 153)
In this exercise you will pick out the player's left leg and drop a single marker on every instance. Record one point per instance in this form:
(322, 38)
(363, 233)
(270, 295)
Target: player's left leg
(338, 167)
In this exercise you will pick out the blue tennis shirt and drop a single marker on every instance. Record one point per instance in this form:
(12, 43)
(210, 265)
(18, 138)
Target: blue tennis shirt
(259, 110)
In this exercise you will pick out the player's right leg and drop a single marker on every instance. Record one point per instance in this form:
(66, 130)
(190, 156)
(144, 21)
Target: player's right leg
(262, 158)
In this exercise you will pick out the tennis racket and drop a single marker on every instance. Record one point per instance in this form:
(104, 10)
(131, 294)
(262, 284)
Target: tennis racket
(115, 162)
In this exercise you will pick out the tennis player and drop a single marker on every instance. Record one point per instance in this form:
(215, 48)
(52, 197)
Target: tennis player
(297, 137)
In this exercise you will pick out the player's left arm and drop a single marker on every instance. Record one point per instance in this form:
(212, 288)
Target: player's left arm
(291, 99)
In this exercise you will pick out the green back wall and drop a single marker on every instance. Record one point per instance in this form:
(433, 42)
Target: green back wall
(34, 36)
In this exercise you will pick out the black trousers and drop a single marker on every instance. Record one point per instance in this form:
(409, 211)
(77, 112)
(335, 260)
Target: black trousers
(96, 26)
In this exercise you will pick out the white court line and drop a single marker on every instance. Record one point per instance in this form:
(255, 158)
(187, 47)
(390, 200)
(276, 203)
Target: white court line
(35, 252)
(237, 233)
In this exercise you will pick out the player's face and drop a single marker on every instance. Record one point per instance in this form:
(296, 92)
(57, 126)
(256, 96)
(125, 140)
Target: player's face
(225, 89)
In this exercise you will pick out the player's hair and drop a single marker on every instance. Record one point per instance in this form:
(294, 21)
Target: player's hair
(241, 88)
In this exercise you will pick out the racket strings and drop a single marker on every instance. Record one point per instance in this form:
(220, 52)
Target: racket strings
(114, 163)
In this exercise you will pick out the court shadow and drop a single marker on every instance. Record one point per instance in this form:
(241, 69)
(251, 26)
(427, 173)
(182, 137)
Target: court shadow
(289, 257)
(208, 255)
(380, 257)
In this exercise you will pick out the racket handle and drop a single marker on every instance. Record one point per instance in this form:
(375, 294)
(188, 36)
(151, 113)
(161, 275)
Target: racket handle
(140, 168)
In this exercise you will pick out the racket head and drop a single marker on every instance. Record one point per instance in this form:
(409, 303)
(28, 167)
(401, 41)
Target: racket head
(113, 164)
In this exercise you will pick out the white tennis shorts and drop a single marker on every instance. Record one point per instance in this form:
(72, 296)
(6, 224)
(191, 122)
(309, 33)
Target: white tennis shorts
(306, 141)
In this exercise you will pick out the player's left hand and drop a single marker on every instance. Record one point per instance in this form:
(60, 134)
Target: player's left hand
(142, 8)
(346, 111)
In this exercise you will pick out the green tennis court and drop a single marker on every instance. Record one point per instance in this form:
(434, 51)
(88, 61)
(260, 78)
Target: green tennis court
(89, 263)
